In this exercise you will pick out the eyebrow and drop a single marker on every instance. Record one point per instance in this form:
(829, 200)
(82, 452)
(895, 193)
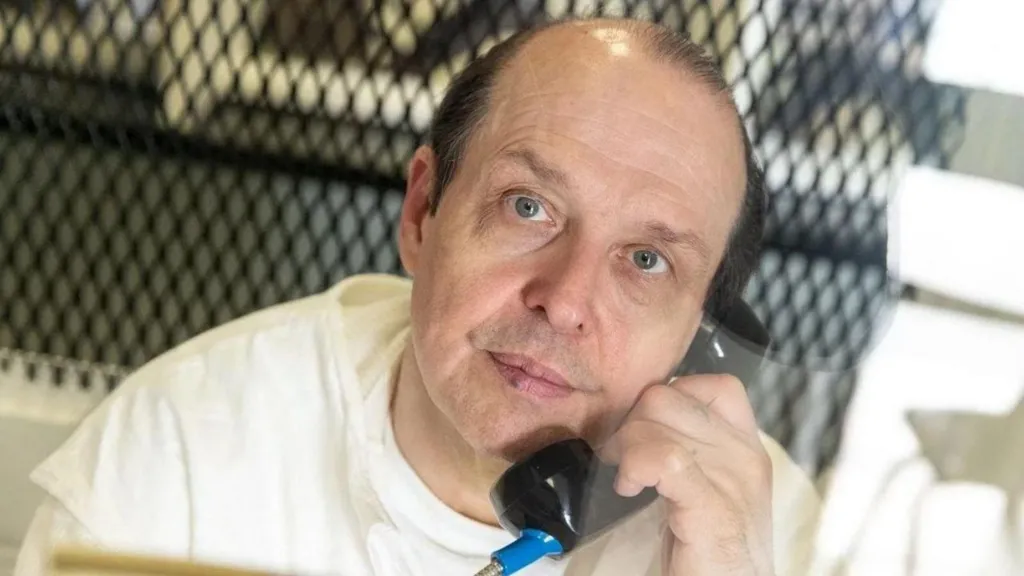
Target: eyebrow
(535, 164)
(687, 240)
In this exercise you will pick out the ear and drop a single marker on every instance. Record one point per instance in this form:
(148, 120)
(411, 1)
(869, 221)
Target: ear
(416, 207)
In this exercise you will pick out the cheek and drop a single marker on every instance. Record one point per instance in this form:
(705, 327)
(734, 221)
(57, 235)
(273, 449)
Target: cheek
(458, 290)
(645, 353)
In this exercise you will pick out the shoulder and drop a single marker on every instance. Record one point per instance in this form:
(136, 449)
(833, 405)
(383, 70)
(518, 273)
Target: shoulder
(121, 465)
(126, 462)
(271, 351)
(279, 368)
(284, 326)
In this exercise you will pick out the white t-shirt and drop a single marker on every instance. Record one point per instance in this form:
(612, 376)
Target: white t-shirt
(266, 443)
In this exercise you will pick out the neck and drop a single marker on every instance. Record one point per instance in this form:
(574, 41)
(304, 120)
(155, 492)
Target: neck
(449, 466)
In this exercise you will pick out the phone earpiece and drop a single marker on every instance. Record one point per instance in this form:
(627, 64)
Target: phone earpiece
(735, 344)
(565, 491)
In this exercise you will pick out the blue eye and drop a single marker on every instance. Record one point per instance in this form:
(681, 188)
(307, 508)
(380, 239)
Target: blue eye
(528, 208)
(649, 261)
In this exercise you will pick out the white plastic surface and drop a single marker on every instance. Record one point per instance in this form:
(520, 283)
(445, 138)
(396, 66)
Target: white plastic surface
(932, 361)
(977, 44)
(960, 235)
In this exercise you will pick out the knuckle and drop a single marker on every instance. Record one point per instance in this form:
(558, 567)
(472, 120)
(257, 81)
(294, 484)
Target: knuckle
(750, 480)
(685, 383)
(733, 548)
(655, 399)
(631, 431)
(677, 459)
(730, 383)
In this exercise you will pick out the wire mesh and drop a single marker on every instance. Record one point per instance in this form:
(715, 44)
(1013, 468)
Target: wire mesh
(167, 165)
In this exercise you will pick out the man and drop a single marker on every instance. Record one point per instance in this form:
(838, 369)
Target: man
(587, 193)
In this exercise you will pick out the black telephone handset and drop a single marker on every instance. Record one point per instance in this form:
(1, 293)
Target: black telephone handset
(563, 489)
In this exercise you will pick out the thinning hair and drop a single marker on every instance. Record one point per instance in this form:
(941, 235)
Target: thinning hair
(466, 104)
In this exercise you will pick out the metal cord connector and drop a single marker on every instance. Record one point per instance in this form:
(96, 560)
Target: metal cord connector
(492, 569)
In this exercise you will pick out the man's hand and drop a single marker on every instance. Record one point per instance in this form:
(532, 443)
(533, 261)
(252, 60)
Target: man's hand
(696, 441)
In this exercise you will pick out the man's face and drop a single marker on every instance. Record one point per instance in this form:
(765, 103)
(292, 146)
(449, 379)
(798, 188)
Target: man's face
(566, 268)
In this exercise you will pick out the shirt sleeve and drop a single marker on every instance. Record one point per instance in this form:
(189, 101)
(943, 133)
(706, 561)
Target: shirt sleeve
(119, 482)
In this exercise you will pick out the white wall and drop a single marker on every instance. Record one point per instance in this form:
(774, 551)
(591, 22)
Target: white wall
(35, 418)
(23, 444)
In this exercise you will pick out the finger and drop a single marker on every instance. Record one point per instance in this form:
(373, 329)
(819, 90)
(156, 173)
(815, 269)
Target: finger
(723, 395)
(678, 410)
(729, 460)
(651, 455)
(681, 412)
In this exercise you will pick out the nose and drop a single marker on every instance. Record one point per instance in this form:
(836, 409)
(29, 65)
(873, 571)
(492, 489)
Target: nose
(564, 290)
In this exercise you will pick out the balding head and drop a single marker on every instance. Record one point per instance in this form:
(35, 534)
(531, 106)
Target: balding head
(572, 44)
(585, 190)
(654, 41)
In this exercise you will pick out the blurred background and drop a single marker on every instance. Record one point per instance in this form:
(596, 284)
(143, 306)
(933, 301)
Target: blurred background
(168, 165)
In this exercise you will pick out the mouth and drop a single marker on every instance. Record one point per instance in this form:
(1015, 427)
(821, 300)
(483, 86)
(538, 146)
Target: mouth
(529, 377)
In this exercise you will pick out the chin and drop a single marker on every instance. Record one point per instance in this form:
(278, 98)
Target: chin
(509, 438)
(499, 422)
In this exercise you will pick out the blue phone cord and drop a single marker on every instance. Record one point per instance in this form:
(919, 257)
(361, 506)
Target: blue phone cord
(532, 545)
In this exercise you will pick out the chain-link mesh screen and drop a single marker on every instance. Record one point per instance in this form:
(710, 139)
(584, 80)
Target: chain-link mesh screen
(167, 165)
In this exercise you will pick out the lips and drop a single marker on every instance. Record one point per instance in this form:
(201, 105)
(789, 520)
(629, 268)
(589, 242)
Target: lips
(530, 377)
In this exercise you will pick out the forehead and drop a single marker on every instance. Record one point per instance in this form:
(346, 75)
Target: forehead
(617, 121)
